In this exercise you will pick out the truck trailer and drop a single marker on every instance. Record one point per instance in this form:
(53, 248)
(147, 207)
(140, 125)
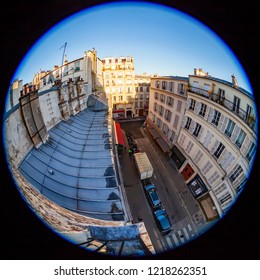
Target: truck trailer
(143, 165)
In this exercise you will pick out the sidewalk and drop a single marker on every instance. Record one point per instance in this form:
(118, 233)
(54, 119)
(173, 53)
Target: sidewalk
(189, 202)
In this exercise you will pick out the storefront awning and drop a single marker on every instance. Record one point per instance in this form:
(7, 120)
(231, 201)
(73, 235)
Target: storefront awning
(154, 133)
(164, 146)
(120, 139)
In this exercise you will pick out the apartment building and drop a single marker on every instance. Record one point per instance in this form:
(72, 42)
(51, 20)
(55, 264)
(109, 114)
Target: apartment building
(166, 109)
(87, 69)
(119, 85)
(217, 141)
(142, 95)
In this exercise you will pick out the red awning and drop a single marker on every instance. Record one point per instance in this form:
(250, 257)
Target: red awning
(120, 139)
(118, 111)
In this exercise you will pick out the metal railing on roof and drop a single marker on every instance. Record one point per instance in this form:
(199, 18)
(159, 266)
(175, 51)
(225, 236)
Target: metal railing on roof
(228, 104)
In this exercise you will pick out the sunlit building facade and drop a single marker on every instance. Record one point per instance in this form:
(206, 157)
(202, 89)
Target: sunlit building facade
(216, 145)
(119, 85)
(142, 95)
(167, 104)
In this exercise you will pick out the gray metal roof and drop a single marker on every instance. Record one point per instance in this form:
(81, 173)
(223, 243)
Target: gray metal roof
(75, 167)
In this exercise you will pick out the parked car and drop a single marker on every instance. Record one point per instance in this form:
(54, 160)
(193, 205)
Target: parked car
(162, 220)
(152, 195)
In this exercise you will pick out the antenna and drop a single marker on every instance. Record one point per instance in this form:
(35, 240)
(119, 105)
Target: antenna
(62, 60)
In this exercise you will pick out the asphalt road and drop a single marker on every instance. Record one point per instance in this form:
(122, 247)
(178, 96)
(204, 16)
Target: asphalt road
(185, 214)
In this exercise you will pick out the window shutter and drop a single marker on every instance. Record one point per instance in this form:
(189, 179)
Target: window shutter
(197, 107)
(222, 123)
(235, 134)
(206, 112)
(184, 121)
(246, 145)
(188, 103)
(214, 148)
(207, 139)
(211, 114)
(227, 161)
(179, 87)
(200, 133)
(192, 126)
(222, 156)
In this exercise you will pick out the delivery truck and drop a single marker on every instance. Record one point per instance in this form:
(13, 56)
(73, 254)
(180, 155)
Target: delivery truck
(143, 165)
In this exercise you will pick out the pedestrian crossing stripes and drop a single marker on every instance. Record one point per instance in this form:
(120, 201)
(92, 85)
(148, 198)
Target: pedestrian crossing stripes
(179, 237)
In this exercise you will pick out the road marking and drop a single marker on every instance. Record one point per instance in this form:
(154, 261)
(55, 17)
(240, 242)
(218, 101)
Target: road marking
(189, 227)
(175, 239)
(186, 233)
(169, 241)
(181, 237)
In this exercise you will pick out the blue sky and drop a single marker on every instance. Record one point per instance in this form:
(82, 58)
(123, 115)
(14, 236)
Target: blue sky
(162, 40)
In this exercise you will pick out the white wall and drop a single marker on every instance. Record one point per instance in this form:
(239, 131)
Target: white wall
(16, 139)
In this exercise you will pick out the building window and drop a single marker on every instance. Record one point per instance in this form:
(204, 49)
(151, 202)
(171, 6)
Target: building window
(198, 157)
(161, 110)
(219, 150)
(162, 97)
(230, 128)
(168, 115)
(197, 130)
(156, 95)
(179, 105)
(136, 105)
(236, 104)
(207, 139)
(213, 177)
(236, 173)
(157, 84)
(189, 147)
(176, 121)
(248, 112)
(141, 96)
(76, 66)
(171, 86)
(192, 104)
(216, 117)
(141, 105)
(164, 85)
(172, 136)
(155, 106)
(141, 89)
(169, 101)
(203, 109)
(181, 88)
(147, 96)
(165, 129)
(187, 125)
(240, 139)
(206, 168)
(182, 140)
(158, 122)
(221, 95)
(251, 152)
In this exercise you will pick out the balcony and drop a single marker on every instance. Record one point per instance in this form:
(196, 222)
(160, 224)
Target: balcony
(228, 104)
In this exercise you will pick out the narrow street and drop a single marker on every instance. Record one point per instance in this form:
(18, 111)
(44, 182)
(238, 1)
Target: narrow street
(184, 212)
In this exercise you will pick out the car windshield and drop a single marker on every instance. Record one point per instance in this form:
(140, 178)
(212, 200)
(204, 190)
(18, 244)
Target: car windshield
(155, 197)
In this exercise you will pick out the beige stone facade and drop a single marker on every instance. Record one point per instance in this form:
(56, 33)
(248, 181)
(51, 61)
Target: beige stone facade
(118, 82)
